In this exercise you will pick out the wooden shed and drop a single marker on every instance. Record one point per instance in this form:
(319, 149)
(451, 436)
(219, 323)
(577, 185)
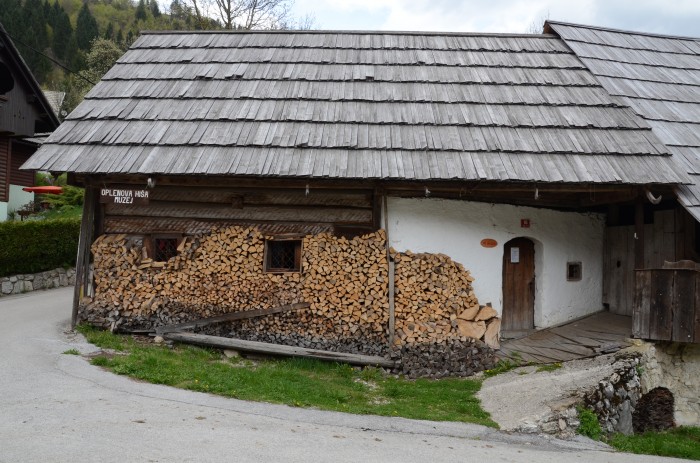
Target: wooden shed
(410, 187)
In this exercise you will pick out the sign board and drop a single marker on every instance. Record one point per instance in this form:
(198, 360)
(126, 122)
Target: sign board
(125, 196)
(489, 243)
(514, 255)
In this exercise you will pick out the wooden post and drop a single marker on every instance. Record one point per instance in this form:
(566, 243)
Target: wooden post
(392, 321)
(639, 233)
(82, 264)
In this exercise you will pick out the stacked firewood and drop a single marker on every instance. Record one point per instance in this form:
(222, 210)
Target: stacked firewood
(458, 356)
(344, 280)
(435, 302)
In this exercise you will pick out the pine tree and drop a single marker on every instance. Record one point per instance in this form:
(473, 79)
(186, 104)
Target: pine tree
(109, 33)
(140, 13)
(34, 35)
(120, 37)
(62, 30)
(86, 28)
(155, 10)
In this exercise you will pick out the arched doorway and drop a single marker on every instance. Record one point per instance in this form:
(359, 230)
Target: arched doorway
(518, 285)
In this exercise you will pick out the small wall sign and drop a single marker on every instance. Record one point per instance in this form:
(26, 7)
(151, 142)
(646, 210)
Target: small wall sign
(489, 243)
(126, 196)
(514, 255)
(524, 223)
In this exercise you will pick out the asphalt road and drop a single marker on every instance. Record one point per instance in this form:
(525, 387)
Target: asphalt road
(58, 408)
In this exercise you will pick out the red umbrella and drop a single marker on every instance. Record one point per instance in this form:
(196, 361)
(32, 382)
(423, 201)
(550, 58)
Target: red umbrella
(51, 190)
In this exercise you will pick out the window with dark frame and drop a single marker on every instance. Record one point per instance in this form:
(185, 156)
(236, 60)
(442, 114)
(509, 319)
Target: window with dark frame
(164, 248)
(282, 256)
(574, 271)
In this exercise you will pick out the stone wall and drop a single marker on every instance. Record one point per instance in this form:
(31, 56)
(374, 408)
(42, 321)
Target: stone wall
(675, 366)
(615, 398)
(17, 284)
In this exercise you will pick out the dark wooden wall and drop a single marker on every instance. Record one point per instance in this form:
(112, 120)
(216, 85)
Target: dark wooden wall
(667, 305)
(20, 154)
(194, 209)
(5, 146)
(19, 114)
(671, 237)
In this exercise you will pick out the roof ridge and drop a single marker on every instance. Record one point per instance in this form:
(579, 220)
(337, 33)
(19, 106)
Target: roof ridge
(622, 31)
(353, 32)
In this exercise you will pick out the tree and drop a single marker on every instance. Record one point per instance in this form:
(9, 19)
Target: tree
(109, 33)
(62, 31)
(86, 28)
(245, 14)
(140, 13)
(155, 10)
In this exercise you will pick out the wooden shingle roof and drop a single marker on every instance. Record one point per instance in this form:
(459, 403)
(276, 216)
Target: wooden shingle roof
(659, 77)
(378, 105)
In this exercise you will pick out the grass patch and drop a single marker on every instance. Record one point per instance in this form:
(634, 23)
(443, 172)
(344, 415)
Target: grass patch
(549, 367)
(682, 442)
(505, 365)
(72, 352)
(589, 425)
(295, 382)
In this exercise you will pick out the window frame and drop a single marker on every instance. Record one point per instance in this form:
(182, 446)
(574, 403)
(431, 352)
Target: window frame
(151, 246)
(298, 246)
(569, 266)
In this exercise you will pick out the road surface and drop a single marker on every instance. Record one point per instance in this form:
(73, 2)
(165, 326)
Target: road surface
(58, 408)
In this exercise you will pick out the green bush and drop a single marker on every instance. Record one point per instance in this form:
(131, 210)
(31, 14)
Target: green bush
(38, 245)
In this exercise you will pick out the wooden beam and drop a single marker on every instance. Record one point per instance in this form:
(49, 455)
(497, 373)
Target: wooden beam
(277, 350)
(639, 233)
(241, 315)
(82, 271)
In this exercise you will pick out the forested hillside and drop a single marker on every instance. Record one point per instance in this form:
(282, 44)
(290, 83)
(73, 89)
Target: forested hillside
(59, 38)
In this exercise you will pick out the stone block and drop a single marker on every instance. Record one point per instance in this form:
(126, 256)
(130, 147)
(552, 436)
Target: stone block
(7, 287)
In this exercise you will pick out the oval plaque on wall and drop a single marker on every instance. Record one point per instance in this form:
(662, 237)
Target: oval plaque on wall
(489, 243)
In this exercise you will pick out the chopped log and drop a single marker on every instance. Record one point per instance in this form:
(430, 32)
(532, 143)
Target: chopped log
(242, 315)
(471, 329)
(278, 350)
(493, 328)
(486, 313)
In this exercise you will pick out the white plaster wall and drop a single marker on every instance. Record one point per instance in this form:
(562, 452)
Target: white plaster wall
(3, 211)
(456, 228)
(18, 198)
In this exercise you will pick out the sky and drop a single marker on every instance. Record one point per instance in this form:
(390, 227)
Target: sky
(669, 17)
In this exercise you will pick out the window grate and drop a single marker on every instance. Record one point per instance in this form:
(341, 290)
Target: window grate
(283, 256)
(165, 248)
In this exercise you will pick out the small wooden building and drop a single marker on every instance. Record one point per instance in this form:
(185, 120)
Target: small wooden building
(24, 113)
(408, 186)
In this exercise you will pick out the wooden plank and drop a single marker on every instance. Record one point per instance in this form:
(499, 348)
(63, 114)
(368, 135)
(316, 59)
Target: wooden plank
(276, 349)
(642, 308)
(83, 257)
(232, 316)
(660, 306)
(682, 305)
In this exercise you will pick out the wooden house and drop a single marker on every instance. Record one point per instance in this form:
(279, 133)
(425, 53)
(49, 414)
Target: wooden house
(24, 113)
(659, 78)
(407, 186)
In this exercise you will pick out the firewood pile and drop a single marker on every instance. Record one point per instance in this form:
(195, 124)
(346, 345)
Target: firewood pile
(435, 302)
(344, 280)
(455, 357)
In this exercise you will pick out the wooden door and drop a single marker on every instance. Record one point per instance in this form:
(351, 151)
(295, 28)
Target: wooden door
(518, 285)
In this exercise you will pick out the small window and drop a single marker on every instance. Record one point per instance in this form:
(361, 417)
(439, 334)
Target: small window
(164, 248)
(282, 256)
(573, 271)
